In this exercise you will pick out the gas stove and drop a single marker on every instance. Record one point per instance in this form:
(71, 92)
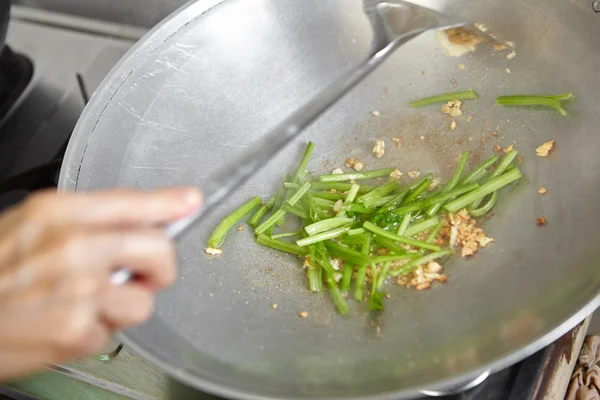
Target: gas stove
(52, 65)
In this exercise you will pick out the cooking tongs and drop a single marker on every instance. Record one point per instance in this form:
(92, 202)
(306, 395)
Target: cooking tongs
(394, 23)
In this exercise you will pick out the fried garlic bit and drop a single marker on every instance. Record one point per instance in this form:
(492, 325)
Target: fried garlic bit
(453, 125)
(452, 108)
(542, 190)
(545, 149)
(354, 164)
(213, 251)
(303, 314)
(337, 171)
(508, 148)
(398, 142)
(461, 230)
(396, 173)
(413, 174)
(541, 221)
(423, 276)
(379, 148)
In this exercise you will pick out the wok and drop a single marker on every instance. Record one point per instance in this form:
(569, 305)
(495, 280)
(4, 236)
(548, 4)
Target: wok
(217, 74)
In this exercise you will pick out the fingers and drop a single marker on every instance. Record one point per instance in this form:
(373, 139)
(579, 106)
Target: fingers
(126, 306)
(117, 208)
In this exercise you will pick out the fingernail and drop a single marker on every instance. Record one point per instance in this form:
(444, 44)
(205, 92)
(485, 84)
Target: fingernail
(191, 198)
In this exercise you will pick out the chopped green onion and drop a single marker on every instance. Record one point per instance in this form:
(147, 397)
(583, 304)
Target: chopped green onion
(443, 98)
(228, 222)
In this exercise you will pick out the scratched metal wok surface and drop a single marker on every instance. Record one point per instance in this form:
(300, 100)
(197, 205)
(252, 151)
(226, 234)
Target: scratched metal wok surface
(218, 74)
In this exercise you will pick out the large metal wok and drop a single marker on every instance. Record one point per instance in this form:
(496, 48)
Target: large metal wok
(217, 74)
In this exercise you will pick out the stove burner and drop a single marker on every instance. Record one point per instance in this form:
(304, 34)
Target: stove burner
(16, 72)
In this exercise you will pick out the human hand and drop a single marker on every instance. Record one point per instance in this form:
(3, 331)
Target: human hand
(57, 252)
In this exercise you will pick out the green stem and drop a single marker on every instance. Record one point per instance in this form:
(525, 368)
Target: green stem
(326, 225)
(228, 222)
(361, 275)
(432, 235)
(378, 231)
(484, 190)
(382, 275)
(357, 231)
(393, 258)
(336, 295)
(262, 210)
(281, 245)
(533, 100)
(481, 169)
(295, 211)
(404, 225)
(416, 192)
(328, 195)
(390, 245)
(331, 234)
(315, 280)
(349, 199)
(280, 213)
(301, 170)
(411, 266)
(355, 175)
(422, 226)
(340, 187)
(383, 190)
(499, 170)
(442, 98)
(422, 204)
(486, 207)
(287, 234)
(347, 277)
(464, 158)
